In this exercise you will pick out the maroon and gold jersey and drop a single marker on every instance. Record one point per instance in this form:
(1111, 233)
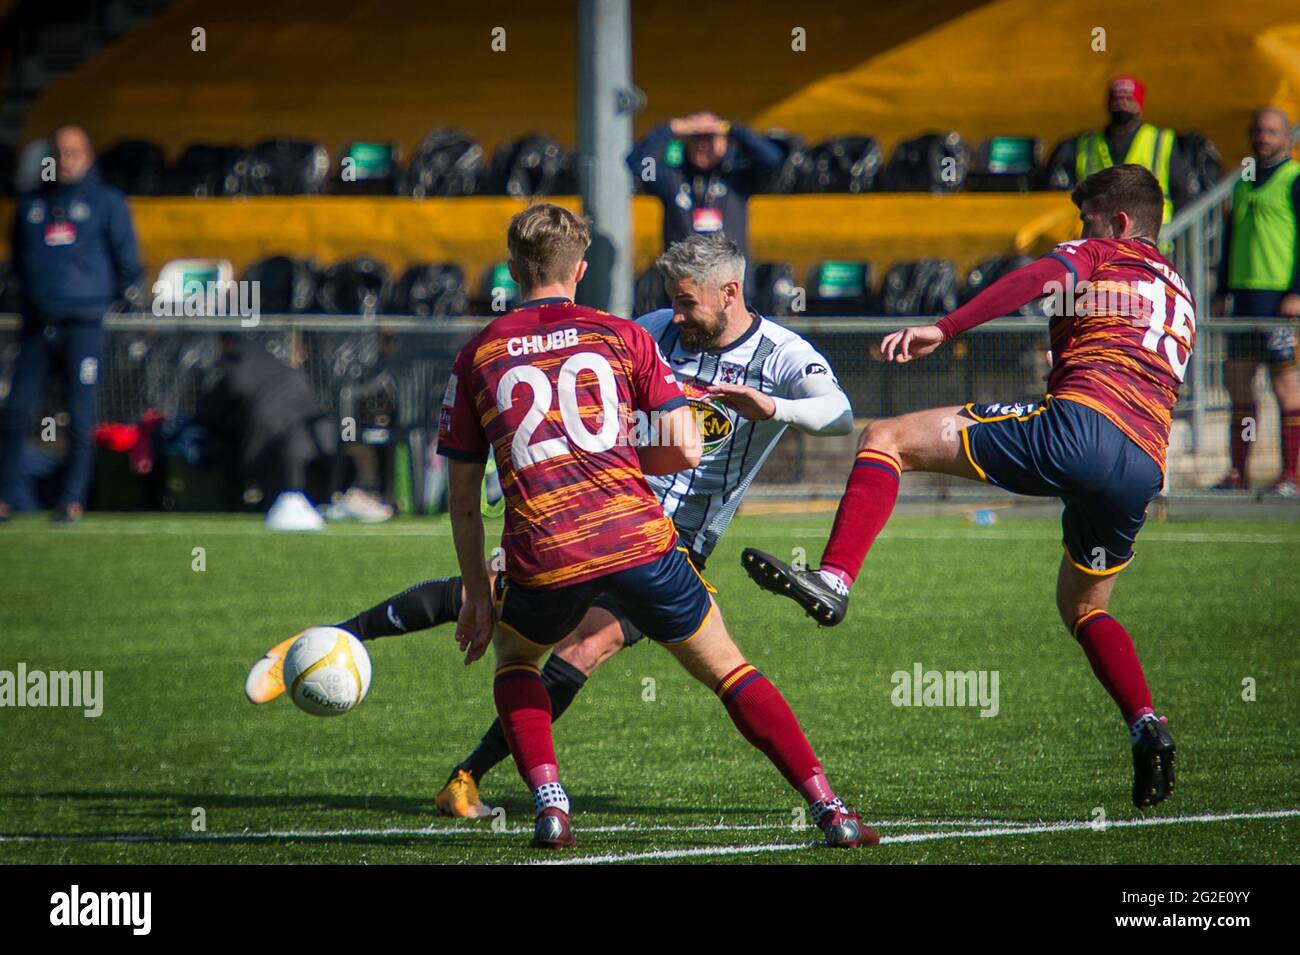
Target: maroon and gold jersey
(551, 388)
(1125, 348)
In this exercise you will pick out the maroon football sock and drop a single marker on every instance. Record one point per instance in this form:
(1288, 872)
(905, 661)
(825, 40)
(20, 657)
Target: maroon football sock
(525, 710)
(865, 507)
(764, 718)
(1114, 660)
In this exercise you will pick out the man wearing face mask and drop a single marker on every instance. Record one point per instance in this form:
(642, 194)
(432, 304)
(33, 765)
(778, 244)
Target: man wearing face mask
(705, 186)
(1126, 139)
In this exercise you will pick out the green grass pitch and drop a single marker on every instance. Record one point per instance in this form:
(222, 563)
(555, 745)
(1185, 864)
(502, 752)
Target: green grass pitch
(657, 775)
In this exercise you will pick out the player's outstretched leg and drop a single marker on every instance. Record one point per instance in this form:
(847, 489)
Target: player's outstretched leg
(428, 604)
(598, 637)
(1082, 599)
(764, 718)
(922, 441)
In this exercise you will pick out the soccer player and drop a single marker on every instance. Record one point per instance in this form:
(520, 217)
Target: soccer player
(1097, 440)
(747, 378)
(550, 387)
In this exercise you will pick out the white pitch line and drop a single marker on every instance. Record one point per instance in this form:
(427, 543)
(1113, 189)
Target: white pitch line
(993, 827)
(1064, 826)
(305, 835)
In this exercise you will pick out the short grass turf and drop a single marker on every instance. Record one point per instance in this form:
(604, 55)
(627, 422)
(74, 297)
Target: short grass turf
(654, 767)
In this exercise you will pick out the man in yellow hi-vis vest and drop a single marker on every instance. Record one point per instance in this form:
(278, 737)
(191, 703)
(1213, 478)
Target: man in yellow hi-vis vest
(1260, 272)
(1126, 139)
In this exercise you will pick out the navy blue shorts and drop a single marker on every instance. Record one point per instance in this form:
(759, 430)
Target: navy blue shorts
(1273, 346)
(1062, 449)
(631, 634)
(666, 600)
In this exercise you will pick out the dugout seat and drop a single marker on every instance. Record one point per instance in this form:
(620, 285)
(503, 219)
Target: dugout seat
(136, 166)
(181, 280)
(203, 170)
(353, 287)
(534, 165)
(840, 287)
(446, 163)
(282, 167)
(287, 286)
(849, 164)
(924, 287)
(428, 290)
(935, 162)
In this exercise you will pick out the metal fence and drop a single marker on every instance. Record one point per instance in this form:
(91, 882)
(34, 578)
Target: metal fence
(398, 368)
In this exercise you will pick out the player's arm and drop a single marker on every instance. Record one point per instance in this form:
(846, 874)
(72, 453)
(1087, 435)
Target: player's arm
(675, 443)
(474, 628)
(463, 442)
(1004, 297)
(808, 399)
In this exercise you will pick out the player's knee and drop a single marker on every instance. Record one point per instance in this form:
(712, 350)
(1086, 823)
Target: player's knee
(880, 435)
(592, 648)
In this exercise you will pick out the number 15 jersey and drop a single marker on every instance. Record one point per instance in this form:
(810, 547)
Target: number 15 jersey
(552, 388)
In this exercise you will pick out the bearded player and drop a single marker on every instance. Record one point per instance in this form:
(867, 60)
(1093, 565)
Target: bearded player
(1097, 440)
(549, 387)
(747, 378)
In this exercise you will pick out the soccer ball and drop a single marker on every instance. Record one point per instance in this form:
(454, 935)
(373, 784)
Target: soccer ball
(326, 671)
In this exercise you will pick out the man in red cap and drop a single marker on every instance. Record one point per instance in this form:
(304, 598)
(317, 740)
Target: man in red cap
(1126, 139)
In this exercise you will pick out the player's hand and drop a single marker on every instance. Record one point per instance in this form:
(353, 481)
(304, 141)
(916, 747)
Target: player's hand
(908, 343)
(745, 401)
(1289, 306)
(702, 123)
(474, 627)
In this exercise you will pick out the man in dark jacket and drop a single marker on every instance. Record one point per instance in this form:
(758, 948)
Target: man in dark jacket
(74, 253)
(705, 183)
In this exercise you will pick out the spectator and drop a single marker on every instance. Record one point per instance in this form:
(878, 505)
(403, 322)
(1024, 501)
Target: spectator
(1260, 270)
(707, 188)
(287, 442)
(1125, 135)
(74, 253)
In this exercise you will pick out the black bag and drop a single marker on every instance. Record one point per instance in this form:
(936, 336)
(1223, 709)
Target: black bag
(354, 287)
(447, 163)
(203, 170)
(923, 287)
(770, 287)
(986, 272)
(136, 166)
(843, 164)
(650, 294)
(786, 179)
(1204, 163)
(532, 166)
(430, 291)
(282, 167)
(936, 162)
(287, 286)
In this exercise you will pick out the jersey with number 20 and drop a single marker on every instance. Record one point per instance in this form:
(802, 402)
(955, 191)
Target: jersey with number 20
(551, 387)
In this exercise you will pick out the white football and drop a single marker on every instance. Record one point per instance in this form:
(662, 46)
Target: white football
(327, 671)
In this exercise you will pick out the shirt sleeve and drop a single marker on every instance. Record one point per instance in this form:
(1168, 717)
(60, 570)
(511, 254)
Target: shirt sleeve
(654, 386)
(460, 432)
(1015, 289)
(1080, 256)
(807, 395)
